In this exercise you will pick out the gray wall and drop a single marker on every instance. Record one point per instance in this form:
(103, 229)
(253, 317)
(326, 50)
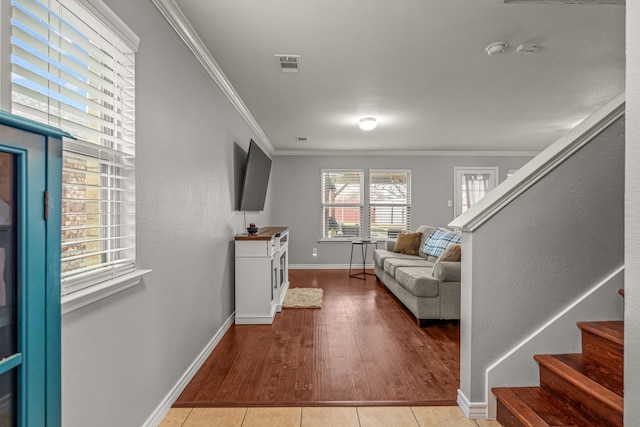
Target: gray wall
(632, 221)
(296, 195)
(540, 253)
(123, 354)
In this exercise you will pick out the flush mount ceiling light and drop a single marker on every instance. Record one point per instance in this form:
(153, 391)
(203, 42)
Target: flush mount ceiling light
(496, 48)
(368, 123)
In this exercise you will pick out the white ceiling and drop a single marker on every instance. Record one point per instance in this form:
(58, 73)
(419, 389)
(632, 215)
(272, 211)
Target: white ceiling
(419, 66)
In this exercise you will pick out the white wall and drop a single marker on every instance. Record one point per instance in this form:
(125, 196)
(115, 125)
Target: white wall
(123, 354)
(632, 221)
(296, 183)
(540, 253)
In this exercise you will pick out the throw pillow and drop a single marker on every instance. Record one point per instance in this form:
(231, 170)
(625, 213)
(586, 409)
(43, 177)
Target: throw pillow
(438, 242)
(452, 253)
(408, 243)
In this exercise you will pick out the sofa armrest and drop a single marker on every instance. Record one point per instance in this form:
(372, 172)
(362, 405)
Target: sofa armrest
(389, 245)
(447, 271)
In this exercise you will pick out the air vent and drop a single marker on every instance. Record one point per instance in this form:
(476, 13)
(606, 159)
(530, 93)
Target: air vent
(289, 63)
(301, 138)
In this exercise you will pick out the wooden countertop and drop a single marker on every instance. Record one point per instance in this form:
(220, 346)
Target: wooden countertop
(264, 233)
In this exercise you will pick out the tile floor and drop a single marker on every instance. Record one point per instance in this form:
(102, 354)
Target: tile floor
(375, 416)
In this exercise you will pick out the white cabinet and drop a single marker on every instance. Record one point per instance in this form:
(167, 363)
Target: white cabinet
(262, 274)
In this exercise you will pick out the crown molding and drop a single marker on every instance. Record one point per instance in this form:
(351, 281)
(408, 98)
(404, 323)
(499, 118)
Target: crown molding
(409, 153)
(182, 26)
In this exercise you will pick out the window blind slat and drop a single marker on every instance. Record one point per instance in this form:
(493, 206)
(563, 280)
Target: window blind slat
(74, 242)
(62, 49)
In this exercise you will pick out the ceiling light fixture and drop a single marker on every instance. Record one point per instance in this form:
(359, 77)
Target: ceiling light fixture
(496, 48)
(368, 123)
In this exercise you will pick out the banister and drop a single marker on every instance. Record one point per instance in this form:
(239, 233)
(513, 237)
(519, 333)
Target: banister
(540, 166)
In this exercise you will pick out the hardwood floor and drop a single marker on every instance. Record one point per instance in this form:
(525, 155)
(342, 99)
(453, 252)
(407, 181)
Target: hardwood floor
(362, 347)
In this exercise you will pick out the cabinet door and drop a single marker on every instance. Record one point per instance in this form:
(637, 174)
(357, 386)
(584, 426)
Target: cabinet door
(22, 285)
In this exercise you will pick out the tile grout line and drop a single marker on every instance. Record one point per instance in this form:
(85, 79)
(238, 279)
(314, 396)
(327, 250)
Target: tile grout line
(187, 417)
(244, 416)
(358, 416)
(414, 416)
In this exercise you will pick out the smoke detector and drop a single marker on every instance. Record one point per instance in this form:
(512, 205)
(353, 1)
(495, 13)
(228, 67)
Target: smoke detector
(496, 48)
(289, 63)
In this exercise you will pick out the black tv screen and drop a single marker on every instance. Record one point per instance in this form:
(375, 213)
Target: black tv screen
(256, 179)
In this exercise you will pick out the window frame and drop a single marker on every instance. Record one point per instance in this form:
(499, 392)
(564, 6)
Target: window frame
(324, 205)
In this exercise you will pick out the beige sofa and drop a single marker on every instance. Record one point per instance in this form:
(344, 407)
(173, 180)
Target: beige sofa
(429, 288)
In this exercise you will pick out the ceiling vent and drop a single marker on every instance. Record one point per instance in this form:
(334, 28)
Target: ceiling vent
(289, 63)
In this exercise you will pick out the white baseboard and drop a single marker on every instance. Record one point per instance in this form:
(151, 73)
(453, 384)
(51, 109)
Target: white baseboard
(326, 266)
(163, 408)
(472, 410)
(255, 320)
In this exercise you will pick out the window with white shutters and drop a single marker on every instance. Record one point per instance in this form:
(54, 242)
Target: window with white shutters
(72, 70)
(389, 203)
(342, 203)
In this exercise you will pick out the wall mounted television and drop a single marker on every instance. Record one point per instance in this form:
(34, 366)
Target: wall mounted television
(256, 179)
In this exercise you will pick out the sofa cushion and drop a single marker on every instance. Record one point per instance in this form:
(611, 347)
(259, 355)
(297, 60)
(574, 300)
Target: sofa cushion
(408, 243)
(380, 255)
(418, 281)
(391, 264)
(452, 253)
(438, 242)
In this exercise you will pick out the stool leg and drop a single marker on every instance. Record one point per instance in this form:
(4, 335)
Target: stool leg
(364, 259)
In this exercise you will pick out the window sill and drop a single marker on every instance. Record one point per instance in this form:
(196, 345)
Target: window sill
(95, 293)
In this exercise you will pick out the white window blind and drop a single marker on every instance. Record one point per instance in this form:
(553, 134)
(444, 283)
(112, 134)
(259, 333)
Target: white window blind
(72, 71)
(389, 203)
(342, 203)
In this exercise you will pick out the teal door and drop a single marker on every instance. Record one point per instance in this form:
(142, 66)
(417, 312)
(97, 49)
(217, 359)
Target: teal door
(29, 326)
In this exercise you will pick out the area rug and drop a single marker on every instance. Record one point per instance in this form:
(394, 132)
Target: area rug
(303, 298)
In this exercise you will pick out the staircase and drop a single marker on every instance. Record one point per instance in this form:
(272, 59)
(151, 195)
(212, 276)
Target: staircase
(584, 389)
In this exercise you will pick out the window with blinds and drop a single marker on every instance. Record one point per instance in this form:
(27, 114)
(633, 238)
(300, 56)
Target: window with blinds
(72, 71)
(342, 203)
(389, 203)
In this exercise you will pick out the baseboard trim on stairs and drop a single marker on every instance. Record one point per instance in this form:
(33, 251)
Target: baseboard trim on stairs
(163, 408)
(472, 410)
(558, 335)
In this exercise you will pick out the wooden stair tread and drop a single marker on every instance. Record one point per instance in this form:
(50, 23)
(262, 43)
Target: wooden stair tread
(587, 385)
(610, 330)
(536, 407)
(604, 375)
